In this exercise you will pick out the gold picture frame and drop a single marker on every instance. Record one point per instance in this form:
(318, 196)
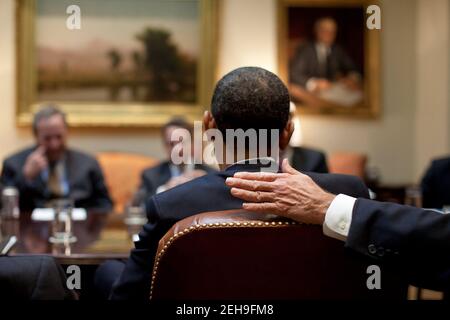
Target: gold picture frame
(370, 105)
(107, 114)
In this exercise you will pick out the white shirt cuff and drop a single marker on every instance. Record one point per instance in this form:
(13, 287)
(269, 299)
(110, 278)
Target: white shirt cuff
(339, 217)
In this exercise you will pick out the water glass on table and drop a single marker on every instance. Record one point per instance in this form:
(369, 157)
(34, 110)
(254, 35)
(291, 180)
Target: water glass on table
(62, 221)
(135, 218)
(10, 203)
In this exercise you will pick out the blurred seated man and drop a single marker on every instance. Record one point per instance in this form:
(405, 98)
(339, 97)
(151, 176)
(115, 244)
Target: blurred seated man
(245, 100)
(49, 170)
(307, 159)
(302, 158)
(167, 175)
(436, 184)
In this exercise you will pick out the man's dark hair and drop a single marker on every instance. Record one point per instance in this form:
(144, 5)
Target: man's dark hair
(47, 112)
(250, 98)
(177, 122)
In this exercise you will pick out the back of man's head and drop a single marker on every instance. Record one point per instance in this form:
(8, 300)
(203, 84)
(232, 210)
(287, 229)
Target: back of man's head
(250, 98)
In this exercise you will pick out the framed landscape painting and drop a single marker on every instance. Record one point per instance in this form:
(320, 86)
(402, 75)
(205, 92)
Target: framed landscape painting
(133, 63)
(329, 58)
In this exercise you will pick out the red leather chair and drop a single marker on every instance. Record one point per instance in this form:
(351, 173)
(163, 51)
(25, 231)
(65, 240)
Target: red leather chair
(241, 255)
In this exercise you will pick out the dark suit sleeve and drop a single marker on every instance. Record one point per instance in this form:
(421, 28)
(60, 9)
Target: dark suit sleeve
(322, 166)
(100, 199)
(340, 183)
(147, 185)
(12, 176)
(134, 282)
(429, 194)
(415, 240)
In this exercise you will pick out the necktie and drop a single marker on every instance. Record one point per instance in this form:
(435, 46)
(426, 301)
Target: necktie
(54, 180)
(329, 69)
(322, 58)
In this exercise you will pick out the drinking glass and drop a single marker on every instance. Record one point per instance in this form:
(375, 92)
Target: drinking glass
(62, 221)
(10, 203)
(135, 218)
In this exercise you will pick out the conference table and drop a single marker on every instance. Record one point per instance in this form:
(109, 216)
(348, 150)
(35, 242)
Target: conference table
(100, 237)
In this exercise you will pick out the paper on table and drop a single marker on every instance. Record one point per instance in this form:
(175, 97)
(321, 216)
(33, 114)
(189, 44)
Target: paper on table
(339, 93)
(47, 214)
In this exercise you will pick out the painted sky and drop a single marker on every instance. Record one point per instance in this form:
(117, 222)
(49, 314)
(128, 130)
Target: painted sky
(116, 22)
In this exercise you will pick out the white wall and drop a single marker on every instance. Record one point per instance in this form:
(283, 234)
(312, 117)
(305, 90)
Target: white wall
(10, 137)
(433, 82)
(248, 37)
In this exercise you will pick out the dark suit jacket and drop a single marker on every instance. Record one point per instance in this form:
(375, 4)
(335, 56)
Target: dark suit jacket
(305, 64)
(32, 278)
(436, 184)
(156, 176)
(166, 208)
(415, 241)
(86, 185)
(308, 160)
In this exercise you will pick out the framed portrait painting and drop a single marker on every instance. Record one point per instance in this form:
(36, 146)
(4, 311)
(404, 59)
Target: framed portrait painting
(329, 58)
(133, 63)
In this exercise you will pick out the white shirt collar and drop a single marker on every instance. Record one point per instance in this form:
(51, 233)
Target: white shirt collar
(256, 160)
